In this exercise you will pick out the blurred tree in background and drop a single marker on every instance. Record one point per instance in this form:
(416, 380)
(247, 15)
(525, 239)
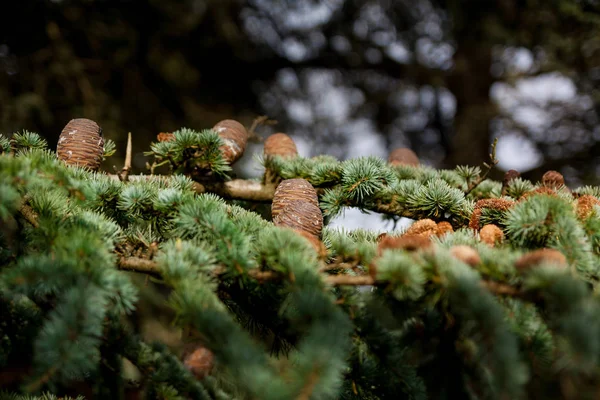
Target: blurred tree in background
(441, 76)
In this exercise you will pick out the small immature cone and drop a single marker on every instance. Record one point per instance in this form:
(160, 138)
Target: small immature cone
(509, 176)
(403, 156)
(81, 143)
(443, 227)
(301, 215)
(553, 179)
(491, 234)
(424, 227)
(165, 137)
(536, 257)
(585, 205)
(466, 254)
(291, 190)
(537, 191)
(234, 136)
(281, 145)
(200, 362)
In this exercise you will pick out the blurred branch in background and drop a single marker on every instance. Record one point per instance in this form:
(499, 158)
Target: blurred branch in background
(344, 77)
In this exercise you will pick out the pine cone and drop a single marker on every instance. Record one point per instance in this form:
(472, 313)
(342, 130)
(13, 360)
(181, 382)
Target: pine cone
(281, 145)
(291, 190)
(200, 362)
(301, 215)
(403, 156)
(234, 136)
(553, 179)
(81, 143)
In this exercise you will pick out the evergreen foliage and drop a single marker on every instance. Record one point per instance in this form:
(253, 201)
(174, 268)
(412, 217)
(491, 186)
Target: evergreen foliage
(368, 316)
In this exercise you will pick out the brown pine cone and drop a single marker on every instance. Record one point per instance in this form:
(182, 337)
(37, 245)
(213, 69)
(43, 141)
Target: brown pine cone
(281, 145)
(81, 144)
(301, 215)
(291, 190)
(403, 156)
(553, 179)
(235, 137)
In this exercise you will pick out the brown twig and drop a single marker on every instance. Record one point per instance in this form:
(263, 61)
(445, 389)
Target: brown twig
(261, 120)
(493, 162)
(151, 267)
(236, 189)
(29, 215)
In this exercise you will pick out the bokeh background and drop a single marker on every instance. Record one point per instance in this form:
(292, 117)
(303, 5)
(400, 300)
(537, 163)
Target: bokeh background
(342, 77)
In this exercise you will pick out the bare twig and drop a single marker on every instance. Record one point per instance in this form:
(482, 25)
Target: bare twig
(151, 267)
(124, 174)
(493, 162)
(262, 120)
(29, 215)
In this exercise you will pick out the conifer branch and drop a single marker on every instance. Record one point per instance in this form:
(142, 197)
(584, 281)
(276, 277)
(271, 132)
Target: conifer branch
(150, 267)
(236, 189)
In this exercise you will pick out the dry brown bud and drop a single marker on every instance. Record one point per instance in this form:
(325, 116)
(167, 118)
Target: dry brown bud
(301, 215)
(496, 204)
(538, 191)
(585, 205)
(553, 179)
(81, 144)
(443, 228)
(234, 136)
(491, 234)
(536, 257)
(403, 156)
(466, 254)
(404, 242)
(165, 137)
(423, 227)
(200, 362)
(292, 190)
(281, 145)
(509, 176)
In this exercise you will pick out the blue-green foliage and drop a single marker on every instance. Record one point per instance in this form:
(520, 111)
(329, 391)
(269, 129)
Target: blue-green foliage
(191, 150)
(257, 297)
(548, 221)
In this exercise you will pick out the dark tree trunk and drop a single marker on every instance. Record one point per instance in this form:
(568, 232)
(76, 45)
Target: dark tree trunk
(470, 82)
